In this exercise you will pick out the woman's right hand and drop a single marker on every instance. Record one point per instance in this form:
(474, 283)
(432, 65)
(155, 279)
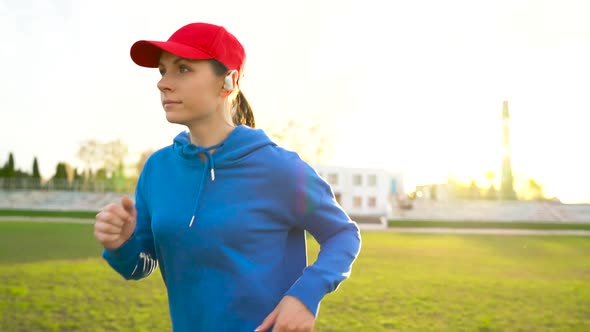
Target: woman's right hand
(115, 224)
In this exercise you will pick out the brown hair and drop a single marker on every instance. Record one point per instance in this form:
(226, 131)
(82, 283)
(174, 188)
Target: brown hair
(244, 114)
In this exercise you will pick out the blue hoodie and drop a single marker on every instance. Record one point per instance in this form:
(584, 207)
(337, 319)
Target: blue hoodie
(228, 232)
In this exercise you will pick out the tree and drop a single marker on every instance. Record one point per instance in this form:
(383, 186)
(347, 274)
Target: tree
(534, 190)
(433, 192)
(90, 154)
(8, 169)
(9, 173)
(60, 178)
(474, 192)
(101, 161)
(491, 177)
(492, 193)
(118, 181)
(114, 155)
(98, 155)
(78, 174)
(77, 179)
(143, 157)
(131, 181)
(36, 176)
(100, 175)
(36, 173)
(308, 140)
(61, 172)
(88, 183)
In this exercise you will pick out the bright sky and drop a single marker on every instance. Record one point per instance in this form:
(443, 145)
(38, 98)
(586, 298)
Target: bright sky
(411, 86)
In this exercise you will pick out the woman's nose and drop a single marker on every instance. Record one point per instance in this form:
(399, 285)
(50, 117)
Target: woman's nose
(164, 84)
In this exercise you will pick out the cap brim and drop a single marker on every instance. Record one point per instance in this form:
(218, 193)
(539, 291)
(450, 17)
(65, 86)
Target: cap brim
(146, 53)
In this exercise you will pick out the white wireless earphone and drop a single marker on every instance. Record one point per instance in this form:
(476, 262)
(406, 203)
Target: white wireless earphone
(228, 83)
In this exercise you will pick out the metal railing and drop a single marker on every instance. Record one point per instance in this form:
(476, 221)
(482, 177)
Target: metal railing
(106, 185)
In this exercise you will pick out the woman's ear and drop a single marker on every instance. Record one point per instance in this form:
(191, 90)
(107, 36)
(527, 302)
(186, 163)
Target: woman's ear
(230, 80)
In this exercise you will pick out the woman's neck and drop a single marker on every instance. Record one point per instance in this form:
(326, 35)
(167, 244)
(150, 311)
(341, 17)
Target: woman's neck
(205, 135)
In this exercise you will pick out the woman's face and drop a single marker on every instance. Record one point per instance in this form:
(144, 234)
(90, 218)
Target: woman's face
(189, 89)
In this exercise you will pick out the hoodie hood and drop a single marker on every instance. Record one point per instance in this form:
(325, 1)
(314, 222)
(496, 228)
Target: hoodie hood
(241, 142)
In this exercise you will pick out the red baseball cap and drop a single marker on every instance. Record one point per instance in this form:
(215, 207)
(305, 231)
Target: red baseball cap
(195, 41)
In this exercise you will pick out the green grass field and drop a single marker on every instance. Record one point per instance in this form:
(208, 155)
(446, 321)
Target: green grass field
(45, 213)
(490, 224)
(53, 279)
(392, 223)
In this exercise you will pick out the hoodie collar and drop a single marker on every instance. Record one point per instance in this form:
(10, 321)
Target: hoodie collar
(241, 142)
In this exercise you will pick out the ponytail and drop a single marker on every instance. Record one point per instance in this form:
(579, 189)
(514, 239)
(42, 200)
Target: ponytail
(243, 114)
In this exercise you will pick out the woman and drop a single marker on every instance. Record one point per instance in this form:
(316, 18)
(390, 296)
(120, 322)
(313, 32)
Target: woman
(223, 209)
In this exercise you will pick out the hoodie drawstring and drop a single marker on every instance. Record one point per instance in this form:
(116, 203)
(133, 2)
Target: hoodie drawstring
(209, 165)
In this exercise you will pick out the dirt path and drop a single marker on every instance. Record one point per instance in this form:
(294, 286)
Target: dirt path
(415, 230)
(487, 231)
(48, 219)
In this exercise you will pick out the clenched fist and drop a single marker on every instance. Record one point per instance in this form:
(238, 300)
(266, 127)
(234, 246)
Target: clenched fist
(115, 224)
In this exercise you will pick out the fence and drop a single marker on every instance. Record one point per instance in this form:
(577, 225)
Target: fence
(492, 210)
(83, 185)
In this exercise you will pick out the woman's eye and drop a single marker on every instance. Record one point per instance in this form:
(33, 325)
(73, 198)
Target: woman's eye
(183, 69)
(162, 72)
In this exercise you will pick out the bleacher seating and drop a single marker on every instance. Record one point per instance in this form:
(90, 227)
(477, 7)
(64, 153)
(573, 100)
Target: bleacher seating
(57, 200)
(485, 210)
(456, 210)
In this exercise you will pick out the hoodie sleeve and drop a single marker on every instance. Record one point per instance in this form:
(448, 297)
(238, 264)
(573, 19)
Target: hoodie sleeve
(339, 238)
(136, 258)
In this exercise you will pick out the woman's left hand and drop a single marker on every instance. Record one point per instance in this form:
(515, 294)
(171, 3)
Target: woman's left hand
(290, 315)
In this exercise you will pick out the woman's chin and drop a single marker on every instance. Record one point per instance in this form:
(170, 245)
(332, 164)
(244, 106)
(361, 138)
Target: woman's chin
(174, 118)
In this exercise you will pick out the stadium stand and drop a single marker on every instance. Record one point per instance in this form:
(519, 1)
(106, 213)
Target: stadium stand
(57, 200)
(486, 210)
(453, 210)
